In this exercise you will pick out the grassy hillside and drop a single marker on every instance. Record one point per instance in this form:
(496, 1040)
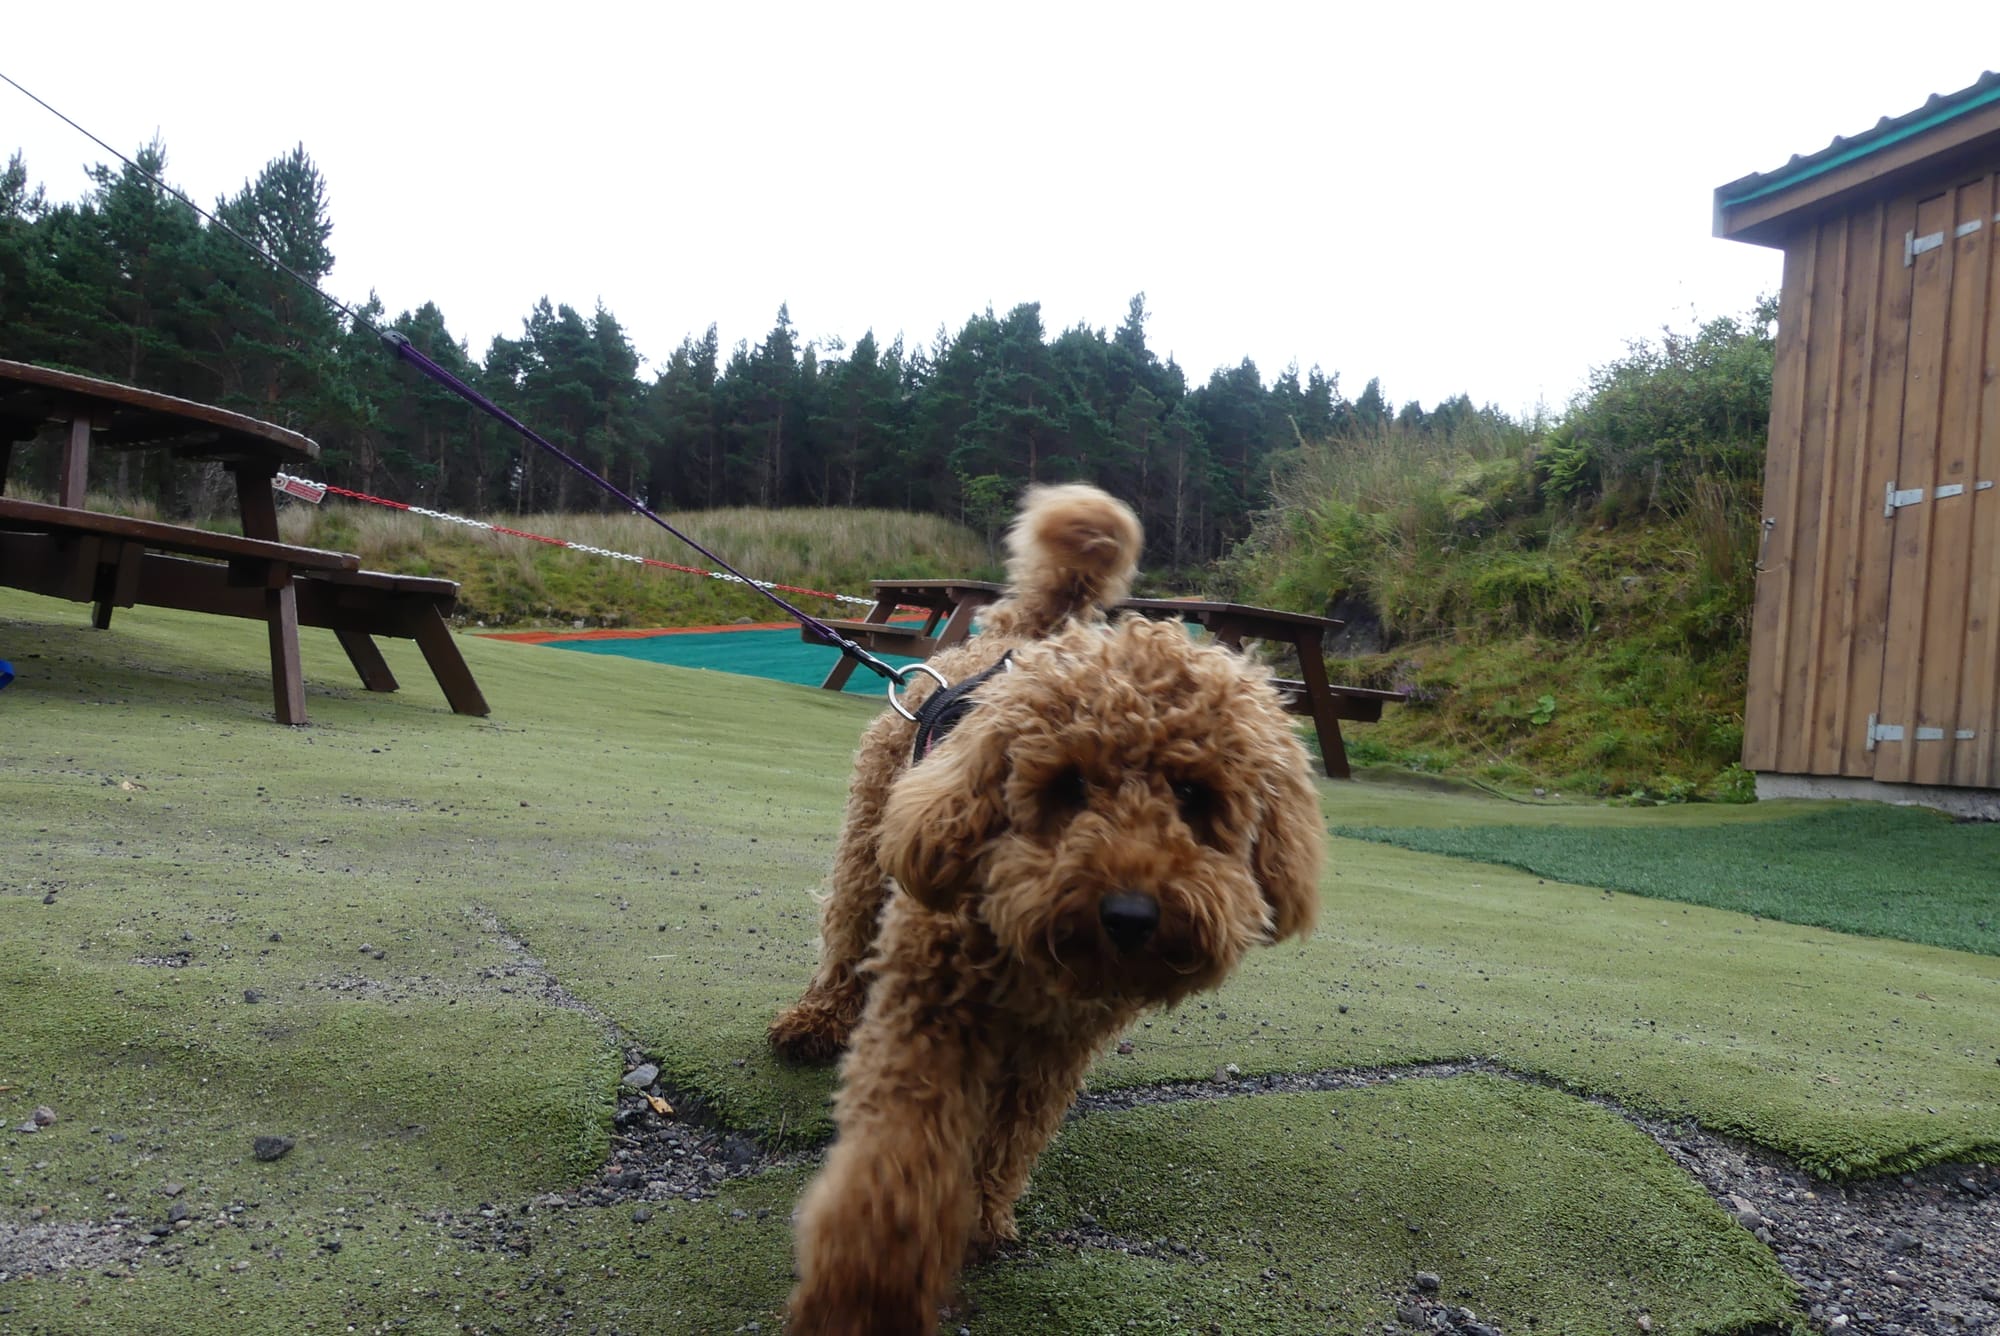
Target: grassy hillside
(1569, 605)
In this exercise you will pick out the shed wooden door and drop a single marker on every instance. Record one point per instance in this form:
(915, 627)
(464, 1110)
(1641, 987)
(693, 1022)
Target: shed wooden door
(1934, 722)
(1875, 647)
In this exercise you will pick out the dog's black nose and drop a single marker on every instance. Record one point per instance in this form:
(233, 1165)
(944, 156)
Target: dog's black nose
(1129, 918)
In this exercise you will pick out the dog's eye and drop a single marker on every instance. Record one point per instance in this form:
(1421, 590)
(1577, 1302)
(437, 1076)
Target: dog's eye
(1065, 792)
(1197, 804)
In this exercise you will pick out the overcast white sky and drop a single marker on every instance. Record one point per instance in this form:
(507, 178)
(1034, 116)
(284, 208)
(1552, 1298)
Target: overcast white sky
(1480, 198)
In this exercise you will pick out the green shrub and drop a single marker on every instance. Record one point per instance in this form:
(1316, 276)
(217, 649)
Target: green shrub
(1733, 784)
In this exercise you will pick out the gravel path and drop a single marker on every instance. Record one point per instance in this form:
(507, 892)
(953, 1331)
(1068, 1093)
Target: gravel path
(1906, 1255)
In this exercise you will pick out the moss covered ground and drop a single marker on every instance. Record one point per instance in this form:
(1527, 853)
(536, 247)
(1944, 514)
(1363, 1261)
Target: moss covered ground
(186, 892)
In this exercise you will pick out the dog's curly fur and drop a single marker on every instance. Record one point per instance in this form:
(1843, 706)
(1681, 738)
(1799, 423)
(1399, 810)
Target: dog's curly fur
(1118, 818)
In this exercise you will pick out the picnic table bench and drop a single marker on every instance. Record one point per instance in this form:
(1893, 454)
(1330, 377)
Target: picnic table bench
(113, 561)
(947, 609)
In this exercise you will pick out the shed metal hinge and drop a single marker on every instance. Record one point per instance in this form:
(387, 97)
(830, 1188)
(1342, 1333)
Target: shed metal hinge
(1965, 735)
(1914, 245)
(1929, 734)
(1882, 732)
(1894, 500)
(1967, 228)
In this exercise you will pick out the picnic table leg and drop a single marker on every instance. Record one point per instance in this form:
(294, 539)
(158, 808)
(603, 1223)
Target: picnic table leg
(281, 614)
(255, 502)
(1326, 720)
(117, 583)
(75, 480)
(367, 660)
(448, 665)
(958, 627)
(843, 667)
(836, 677)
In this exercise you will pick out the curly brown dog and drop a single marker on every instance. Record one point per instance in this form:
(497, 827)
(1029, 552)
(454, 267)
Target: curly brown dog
(1119, 814)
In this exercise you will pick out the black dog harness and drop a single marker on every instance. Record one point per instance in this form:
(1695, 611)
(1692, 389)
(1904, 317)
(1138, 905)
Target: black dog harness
(943, 708)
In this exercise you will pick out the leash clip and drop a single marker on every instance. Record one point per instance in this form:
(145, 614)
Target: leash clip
(903, 678)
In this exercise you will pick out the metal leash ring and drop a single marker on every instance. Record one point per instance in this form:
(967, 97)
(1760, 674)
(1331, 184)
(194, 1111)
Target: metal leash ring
(903, 677)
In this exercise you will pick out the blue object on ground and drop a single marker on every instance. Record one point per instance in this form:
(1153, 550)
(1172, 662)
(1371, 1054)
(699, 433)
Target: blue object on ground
(6, 672)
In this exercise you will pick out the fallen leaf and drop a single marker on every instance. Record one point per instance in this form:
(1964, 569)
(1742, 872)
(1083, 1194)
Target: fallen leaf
(660, 1106)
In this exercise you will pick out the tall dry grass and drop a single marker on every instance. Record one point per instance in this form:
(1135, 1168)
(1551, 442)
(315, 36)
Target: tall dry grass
(509, 580)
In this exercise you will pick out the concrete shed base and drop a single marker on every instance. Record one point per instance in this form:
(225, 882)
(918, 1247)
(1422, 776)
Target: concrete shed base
(1977, 804)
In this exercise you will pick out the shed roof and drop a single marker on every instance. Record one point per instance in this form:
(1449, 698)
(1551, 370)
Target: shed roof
(1759, 207)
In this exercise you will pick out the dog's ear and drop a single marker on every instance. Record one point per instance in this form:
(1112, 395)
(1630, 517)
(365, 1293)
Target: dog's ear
(940, 815)
(1291, 839)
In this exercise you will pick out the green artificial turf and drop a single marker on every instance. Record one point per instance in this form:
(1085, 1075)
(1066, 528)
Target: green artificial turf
(1902, 872)
(688, 1268)
(1314, 1213)
(625, 854)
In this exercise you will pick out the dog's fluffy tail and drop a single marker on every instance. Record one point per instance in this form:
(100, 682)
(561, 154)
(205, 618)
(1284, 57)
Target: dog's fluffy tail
(1071, 553)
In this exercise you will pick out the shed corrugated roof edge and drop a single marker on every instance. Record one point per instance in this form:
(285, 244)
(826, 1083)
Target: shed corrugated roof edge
(1937, 110)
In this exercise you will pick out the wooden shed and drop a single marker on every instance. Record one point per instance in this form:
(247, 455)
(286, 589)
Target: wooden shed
(1875, 645)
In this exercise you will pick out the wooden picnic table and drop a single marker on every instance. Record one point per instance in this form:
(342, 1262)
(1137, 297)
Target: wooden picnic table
(947, 610)
(69, 551)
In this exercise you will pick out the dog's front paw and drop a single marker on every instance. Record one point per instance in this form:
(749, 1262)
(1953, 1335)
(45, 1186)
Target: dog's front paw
(995, 1232)
(858, 1308)
(812, 1030)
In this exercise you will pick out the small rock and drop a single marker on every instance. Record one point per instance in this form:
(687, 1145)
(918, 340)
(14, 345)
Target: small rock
(28, 1126)
(1645, 1322)
(173, 1189)
(44, 1116)
(1125, 1046)
(49, 899)
(642, 1076)
(177, 1212)
(271, 1148)
(252, 996)
(1428, 1282)
(367, 949)
(642, 1215)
